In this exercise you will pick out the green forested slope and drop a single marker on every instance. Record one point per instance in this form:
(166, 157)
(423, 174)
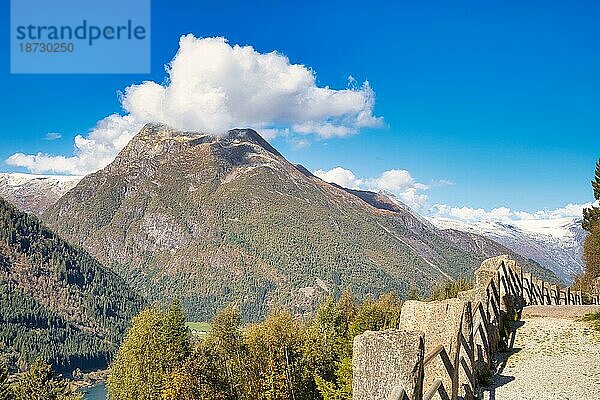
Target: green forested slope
(57, 301)
(215, 219)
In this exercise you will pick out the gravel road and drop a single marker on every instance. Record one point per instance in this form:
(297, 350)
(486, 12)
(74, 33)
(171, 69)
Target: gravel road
(552, 358)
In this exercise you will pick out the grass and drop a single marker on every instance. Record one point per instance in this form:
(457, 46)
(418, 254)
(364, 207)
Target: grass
(593, 319)
(199, 328)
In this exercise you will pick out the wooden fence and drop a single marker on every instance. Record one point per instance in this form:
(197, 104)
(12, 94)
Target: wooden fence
(450, 368)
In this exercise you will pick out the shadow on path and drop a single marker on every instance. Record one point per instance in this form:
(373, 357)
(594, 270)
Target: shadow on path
(497, 379)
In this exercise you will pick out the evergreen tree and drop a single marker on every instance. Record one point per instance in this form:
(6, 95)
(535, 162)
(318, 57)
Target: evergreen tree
(591, 246)
(226, 338)
(92, 306)
(413, 294)
(39, 383)
(176, 336)
(591, 215)
(371, 315)
(6, 392)
(450, 289)
(327, 335)
(591, 255)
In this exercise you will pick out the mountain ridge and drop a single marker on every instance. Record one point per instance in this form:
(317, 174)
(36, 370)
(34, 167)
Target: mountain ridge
(35, 193)
(219, 218)
(557, 244)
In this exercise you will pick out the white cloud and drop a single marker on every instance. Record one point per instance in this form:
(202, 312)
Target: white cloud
(213, 86)
(340, 176)
(397, 181)
(401, 183)
(91, 153)
(505, 214)
(53, 136)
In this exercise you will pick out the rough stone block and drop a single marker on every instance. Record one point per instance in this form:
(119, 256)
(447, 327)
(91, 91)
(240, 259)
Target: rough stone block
(440, 321)
(488, 269)
(383, 361)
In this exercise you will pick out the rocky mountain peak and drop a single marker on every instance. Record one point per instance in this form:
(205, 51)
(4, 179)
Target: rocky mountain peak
(157, 134)
(157, 144)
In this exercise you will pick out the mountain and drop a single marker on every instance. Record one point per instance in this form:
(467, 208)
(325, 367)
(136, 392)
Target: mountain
(213, 219)
(57, 301)
(35, 193)
(479, 245)
(557, 244)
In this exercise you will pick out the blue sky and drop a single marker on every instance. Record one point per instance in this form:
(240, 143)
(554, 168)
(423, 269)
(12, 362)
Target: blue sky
(499, 99)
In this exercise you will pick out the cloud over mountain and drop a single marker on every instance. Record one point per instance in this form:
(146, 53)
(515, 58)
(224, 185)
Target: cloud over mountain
(402, 184)
(213, 86)
(398, 181)
(505, 214)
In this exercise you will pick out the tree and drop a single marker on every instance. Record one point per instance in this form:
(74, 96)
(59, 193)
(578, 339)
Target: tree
(200, 377)
(333, 375)
(591, 215)
(39, 383)
(277, 365)
(591, 246)
(6, 392)
(591, 253)
(226, 338)
(176, 336)
(156, 344)
(413, 294)
(327, 336)
(450, 289)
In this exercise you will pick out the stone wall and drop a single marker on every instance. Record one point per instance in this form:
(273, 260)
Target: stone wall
(441, 322)
(450, 342)
(385, 362)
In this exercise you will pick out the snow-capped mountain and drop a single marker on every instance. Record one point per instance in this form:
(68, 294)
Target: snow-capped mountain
(35, 193)
(556, 244)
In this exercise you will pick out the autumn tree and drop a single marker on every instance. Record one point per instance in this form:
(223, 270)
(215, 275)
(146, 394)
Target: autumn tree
(39, 383)
(6, 392)
(276, 363)
(156, 344)
(200, 377)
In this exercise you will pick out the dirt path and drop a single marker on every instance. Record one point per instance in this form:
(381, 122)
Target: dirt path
(552, 358)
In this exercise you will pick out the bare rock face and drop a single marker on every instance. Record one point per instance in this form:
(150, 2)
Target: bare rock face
(384, 362)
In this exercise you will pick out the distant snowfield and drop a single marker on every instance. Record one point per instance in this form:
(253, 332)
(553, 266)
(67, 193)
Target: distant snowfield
(560, 228)
(35, 193)
(18, 178)
(556, 244)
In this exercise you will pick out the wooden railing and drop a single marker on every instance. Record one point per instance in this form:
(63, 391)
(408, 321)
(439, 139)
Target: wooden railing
(508, 290)
(501, 290)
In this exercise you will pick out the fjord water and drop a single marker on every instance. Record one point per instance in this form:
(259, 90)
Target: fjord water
(97, 392)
